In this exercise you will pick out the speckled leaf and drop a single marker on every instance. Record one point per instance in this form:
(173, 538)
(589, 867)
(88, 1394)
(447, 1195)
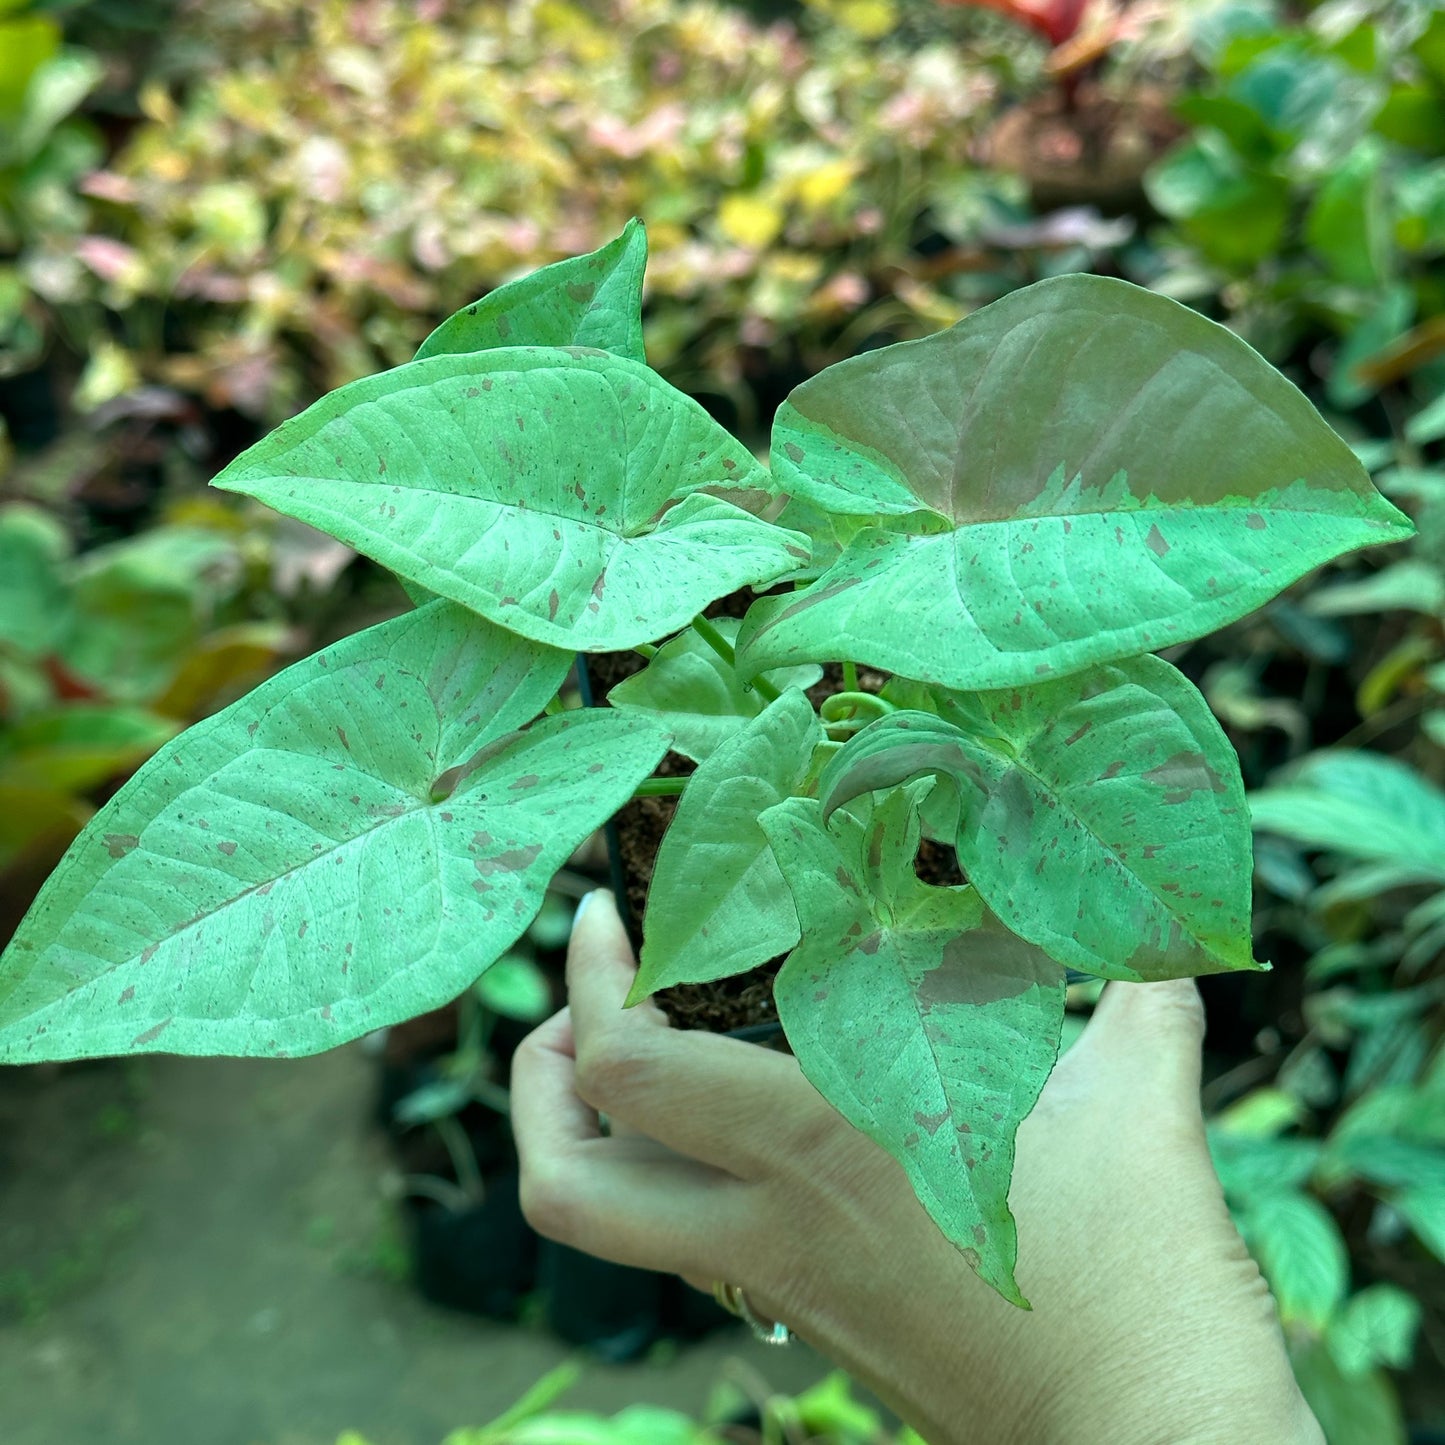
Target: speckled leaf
(717, 904)
(557, 492)
(698, 696)
(916, 1015)
(593, 300)
(348, 845)
(1103, 814)
(1079, 472)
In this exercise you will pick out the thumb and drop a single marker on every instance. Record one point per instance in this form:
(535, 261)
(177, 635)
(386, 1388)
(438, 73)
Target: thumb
(1145, 1041)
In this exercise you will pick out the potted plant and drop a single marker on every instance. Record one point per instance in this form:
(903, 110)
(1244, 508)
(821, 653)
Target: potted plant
(1003, 520)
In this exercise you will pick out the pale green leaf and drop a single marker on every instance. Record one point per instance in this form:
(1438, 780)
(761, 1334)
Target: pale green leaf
(1167, 480)
(1360, 804)
(1300, 1251)
(1376, 1327)
(1351, 1409)
(697, 695)
(1412, 585)
(559, 493)
(1428, 424)
(34, 603)
(1261, 1114)
(348, 845)
(55, 90)
(1103, 814)
(717, 904)
(1423, 1208)
(922, 1021)
(515, 987)
(592, 300)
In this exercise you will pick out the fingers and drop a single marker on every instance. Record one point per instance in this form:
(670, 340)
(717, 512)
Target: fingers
(717, 1101)
(627, 1199)
(1145, 1041)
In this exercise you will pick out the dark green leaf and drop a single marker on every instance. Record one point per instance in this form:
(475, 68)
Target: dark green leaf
(1351, 1409)
(34, 605)
(1360, 804)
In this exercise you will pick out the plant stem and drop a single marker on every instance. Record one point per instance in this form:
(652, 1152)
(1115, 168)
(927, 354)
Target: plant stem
(464, 1161)
(714, 639)
(850, 677)
(554, 707)
(724, 650)
(660, 787)
(763, 688)
(645, 649)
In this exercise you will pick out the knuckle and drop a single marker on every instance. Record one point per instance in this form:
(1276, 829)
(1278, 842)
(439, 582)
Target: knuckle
(1178, 1002)
(607, 1076)
(547, 1204)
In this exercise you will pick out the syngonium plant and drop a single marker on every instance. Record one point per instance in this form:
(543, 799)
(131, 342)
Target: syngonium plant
(1007, 518)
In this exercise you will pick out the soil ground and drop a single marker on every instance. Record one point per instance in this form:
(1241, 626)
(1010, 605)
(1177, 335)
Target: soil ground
(201, 1252)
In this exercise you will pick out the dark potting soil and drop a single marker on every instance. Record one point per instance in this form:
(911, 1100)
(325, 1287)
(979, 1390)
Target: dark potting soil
(743, 1000)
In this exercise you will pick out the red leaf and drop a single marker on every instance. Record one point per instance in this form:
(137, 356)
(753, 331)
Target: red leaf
(1056, 20)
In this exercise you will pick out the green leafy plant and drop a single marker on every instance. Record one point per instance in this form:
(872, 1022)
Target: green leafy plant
(1006, 518)
(104, 656)
(1287, 1191)
(1335, 1171)
(44, 151)
(1311, 189)
(825, 1414)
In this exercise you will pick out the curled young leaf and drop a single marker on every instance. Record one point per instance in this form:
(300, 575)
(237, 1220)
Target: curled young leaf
(348, 845)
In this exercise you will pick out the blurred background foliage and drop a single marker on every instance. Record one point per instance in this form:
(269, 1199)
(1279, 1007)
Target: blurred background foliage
(212, 213)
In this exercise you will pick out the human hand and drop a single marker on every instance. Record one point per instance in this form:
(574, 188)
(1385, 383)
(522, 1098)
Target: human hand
(1150, 1322)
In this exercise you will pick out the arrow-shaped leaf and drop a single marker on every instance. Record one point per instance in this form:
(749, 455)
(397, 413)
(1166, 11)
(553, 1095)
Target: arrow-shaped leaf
(697, 695)
(593, 300)
(294, 872)
(1103, 814)
(559, 493)
(1079, 472)
(924, 1023)
(717, 904)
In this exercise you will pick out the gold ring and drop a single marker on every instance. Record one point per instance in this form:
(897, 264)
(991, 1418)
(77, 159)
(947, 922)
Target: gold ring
(735, 1302)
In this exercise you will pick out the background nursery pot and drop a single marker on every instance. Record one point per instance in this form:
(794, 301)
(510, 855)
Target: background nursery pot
(1005, 518)
(445, 1102)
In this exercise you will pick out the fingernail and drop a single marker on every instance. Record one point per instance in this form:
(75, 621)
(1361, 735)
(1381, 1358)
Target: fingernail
(582, 906)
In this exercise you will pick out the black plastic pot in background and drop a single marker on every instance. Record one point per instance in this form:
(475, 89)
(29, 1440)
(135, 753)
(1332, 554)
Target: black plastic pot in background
(481, 1259)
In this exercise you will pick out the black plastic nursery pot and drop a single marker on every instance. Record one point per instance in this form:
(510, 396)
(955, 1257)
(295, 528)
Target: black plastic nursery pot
(478, 1255)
